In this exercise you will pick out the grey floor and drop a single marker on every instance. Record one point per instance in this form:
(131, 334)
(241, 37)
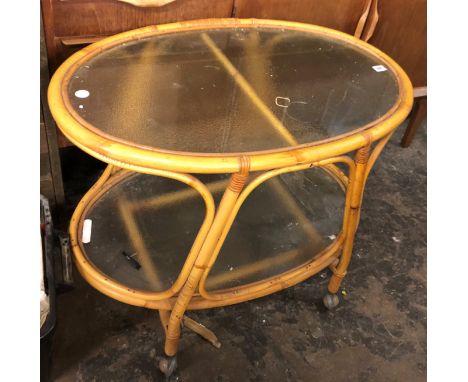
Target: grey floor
(377, 333)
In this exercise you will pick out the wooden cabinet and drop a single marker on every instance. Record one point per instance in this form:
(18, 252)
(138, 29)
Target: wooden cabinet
(343, 15)
(51, 185)
(401, 32)
(397, 27)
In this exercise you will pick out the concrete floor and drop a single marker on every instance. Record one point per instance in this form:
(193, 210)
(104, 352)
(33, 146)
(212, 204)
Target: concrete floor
(378, 333)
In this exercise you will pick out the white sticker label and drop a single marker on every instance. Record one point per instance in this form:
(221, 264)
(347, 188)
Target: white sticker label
(87, 231)
(379, 68)
(82, 93)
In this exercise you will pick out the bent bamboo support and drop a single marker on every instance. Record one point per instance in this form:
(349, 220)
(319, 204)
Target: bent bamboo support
(254, 183)
(225, 207)
(112, 288)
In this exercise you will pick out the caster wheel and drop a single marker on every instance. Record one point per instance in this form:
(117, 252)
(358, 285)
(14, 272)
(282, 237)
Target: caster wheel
(167, 365)
(331, 301)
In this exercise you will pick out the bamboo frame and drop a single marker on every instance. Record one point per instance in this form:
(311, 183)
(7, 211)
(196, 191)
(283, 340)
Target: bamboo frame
(112, 287)
(189, 290)
(234, 196)
(142, 158)
(226, 295)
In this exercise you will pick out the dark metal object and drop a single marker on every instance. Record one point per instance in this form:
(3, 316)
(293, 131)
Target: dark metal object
(67, 276)
(135, 264)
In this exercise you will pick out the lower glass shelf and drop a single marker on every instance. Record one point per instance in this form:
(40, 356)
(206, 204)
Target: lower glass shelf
(143, 227)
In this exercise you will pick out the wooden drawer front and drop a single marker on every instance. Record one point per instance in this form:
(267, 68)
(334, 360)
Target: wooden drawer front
(107, 17)
(86, 19)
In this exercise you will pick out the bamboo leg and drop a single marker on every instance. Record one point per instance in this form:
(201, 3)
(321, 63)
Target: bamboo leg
(224, 210)
(356, 189)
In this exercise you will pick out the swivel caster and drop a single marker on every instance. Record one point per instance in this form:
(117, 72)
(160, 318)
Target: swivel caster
(167, 365)
(331, 301)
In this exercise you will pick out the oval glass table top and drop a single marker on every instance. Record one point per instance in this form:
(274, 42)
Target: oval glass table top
(232, 89)
(144, 226)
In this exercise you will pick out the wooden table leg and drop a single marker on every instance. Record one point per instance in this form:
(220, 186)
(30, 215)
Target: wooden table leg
(420, 112)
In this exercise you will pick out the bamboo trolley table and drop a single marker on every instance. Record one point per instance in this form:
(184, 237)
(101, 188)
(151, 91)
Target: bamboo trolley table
(237, 154)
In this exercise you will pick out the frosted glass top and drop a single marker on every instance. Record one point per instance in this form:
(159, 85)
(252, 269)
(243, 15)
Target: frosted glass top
(232, 90)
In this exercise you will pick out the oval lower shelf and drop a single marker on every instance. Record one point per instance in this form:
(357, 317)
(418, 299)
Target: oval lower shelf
(143, 227)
